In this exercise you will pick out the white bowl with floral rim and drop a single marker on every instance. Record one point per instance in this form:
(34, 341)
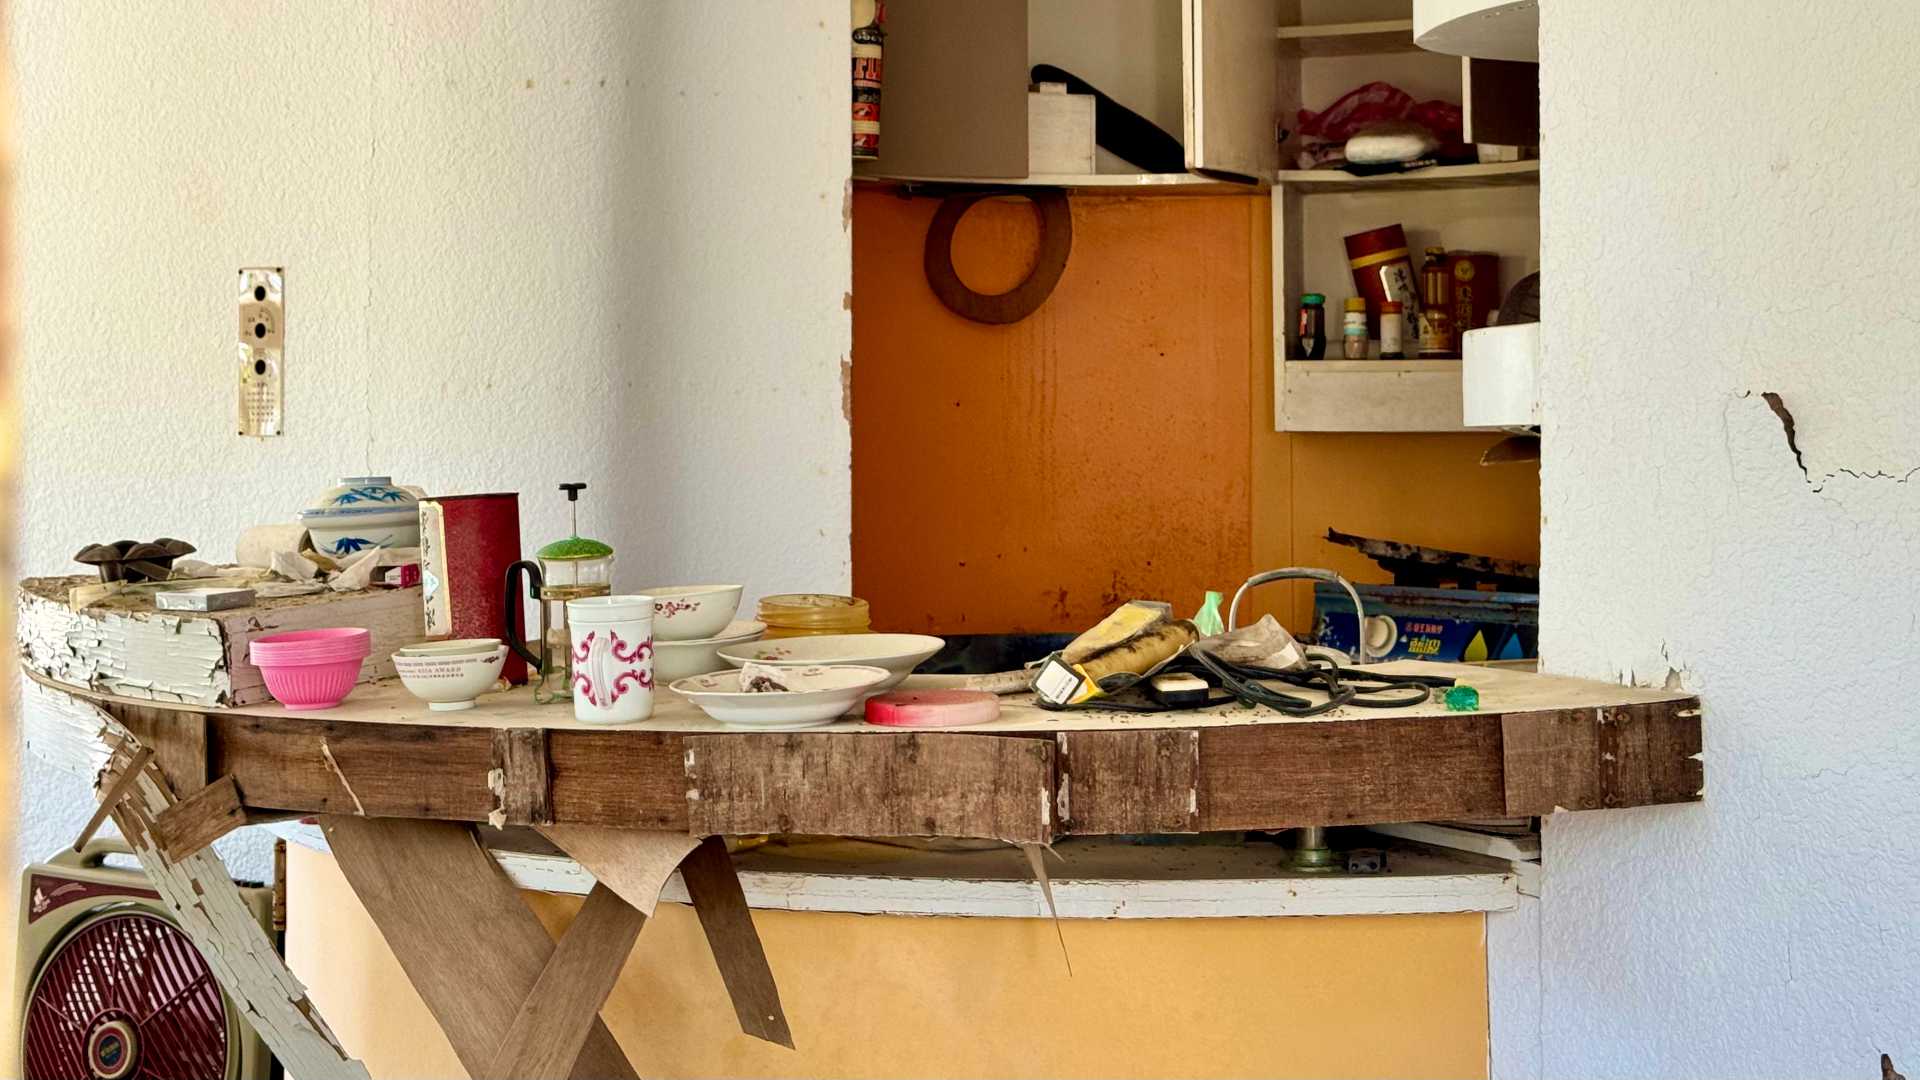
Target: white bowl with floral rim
(814, 696)
(692, 612)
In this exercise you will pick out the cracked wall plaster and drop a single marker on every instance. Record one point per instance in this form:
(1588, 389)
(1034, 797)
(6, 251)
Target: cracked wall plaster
(525, 243)
(1716, 192)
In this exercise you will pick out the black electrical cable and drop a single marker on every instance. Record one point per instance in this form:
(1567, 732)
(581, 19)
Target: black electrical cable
(1246, 683)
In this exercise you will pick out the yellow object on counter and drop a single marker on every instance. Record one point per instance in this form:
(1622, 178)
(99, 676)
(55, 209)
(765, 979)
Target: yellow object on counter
(811, 614)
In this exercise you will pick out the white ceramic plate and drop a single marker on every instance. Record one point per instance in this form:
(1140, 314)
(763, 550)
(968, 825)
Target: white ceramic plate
(820, 695)
(675, 660)
(899, 654)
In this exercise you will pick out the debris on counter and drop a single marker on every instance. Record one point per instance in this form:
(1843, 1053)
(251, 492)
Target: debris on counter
(1138, 639)
(1366, 861)
(762, 679)
(210, 599)
(133, 561)
(1462, 698)
(1208, 620)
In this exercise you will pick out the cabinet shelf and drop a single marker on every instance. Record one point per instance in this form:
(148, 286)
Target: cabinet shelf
(1348, 39)
(1370, 395)
(1084, 183)
(1493, 174)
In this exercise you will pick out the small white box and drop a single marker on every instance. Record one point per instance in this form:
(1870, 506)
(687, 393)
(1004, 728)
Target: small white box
(202, 599)
(1059, 130)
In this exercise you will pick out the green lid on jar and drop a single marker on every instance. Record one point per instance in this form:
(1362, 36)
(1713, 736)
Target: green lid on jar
(1312, 298)
(574, 547)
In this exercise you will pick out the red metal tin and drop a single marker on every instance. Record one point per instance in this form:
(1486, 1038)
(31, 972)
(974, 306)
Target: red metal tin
(466, 544)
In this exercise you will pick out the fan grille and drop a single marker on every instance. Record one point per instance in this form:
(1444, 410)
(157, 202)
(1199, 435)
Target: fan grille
(126, 995)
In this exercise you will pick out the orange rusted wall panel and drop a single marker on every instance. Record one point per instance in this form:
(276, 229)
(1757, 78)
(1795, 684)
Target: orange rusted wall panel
(1032, 476)
(1118, 443)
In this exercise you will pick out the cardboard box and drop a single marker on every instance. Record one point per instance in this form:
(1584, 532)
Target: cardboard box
(1059, 130)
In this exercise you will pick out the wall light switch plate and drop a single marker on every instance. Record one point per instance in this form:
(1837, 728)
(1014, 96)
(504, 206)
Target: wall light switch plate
(262, 350)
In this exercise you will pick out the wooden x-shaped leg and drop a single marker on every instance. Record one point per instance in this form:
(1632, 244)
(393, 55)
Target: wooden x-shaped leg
(512, 1003)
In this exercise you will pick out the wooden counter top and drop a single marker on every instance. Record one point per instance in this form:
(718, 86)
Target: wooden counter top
(1537, 744)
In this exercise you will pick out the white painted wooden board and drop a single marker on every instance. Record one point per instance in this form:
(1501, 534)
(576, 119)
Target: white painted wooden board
(1095, 878)
(209, 908)
(1447, 836)
(1369, 395)
(126, 648)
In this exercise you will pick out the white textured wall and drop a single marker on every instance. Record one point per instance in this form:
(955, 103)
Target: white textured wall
(1722, 178)
(525, 243)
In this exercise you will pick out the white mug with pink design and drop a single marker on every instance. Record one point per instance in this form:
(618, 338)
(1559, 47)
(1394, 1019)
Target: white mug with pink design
(612, 658)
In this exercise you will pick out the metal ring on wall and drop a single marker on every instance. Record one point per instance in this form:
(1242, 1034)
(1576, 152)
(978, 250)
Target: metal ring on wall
(1056, 240)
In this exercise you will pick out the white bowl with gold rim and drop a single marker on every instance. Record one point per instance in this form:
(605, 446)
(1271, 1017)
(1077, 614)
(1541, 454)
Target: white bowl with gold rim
(449, 682)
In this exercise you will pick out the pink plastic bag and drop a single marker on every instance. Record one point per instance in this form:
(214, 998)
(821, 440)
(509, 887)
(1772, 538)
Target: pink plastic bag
(1375, 103)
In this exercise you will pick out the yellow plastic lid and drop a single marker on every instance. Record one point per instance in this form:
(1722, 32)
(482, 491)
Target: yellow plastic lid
(1357, 303)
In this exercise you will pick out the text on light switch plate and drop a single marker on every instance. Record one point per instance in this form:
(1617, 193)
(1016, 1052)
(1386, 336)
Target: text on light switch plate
(262, 350)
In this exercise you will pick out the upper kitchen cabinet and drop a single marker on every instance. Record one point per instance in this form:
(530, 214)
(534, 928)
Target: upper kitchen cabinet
(954, 106)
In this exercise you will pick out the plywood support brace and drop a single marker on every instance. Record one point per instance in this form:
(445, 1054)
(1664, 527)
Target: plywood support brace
(206, 815)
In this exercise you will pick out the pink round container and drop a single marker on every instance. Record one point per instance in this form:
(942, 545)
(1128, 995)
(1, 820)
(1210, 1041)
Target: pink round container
(311, 669)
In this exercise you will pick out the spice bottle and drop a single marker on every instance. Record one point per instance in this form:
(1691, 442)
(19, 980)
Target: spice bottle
(1313, 326)
(1393, 331)
(1436, 307)
(1353, 329)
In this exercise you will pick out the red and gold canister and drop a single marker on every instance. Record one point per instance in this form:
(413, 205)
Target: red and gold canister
(466, 544)
(869, 19)
(1383, 271)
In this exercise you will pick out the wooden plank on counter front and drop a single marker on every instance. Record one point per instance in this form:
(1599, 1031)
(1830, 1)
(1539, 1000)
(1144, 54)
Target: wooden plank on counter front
(524, 777)
(1596, 759)
(1114, 782)
(1359, 772)
(621, 779)
(872, 784)
(371, 770)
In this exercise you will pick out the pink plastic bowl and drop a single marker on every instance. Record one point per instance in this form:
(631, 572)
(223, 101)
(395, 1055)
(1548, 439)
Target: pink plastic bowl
(311, 669)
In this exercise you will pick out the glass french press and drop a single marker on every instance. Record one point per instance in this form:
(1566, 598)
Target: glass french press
(568, 569)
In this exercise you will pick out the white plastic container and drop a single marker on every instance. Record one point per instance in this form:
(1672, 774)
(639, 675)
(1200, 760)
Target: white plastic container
(1500, 377)
(612, 658)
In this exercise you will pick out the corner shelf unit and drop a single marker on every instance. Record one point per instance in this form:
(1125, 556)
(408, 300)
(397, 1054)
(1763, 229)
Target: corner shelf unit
(1490, 174)
(1077, 183)
(1491, 206)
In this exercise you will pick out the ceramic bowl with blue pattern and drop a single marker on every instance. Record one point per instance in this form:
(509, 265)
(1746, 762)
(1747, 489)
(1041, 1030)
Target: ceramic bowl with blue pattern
(362, 512)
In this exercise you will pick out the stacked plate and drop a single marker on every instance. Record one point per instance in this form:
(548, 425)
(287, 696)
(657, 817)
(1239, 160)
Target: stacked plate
(675, 660)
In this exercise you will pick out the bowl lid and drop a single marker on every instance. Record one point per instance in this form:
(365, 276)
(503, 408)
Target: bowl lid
(360, 495)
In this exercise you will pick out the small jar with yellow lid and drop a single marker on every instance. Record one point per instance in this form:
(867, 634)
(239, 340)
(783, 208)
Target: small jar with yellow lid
(810, 614)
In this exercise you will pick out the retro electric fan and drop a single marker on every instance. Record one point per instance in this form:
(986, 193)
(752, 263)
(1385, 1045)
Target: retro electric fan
(115, 989)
